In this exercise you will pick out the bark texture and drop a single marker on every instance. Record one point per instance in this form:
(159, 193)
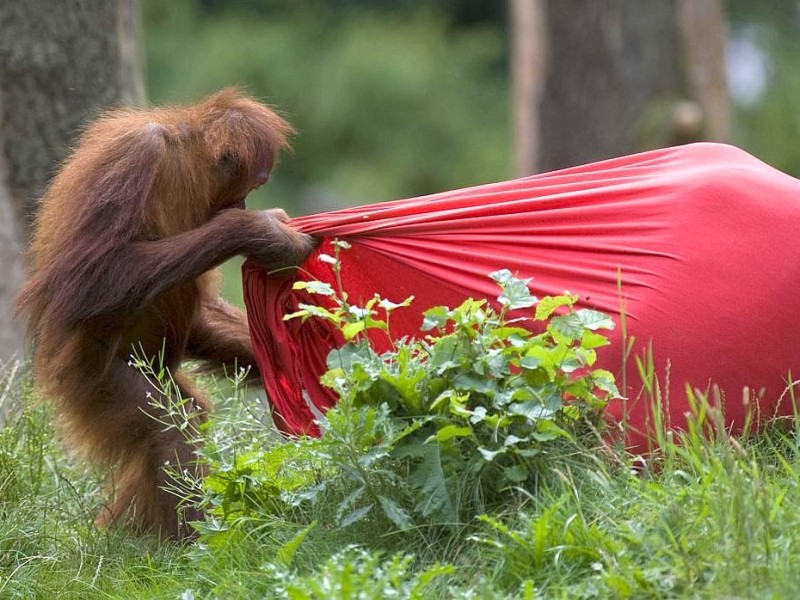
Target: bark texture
(61, 63)
(615, 77)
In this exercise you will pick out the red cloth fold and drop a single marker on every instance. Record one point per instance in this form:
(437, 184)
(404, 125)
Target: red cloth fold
(697, 245)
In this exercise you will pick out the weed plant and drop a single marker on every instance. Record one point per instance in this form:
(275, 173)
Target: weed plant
(468, 463)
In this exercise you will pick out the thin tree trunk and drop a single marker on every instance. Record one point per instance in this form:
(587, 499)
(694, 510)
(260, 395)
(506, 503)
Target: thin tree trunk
(704, 35)
(61, 63)
(528, 71)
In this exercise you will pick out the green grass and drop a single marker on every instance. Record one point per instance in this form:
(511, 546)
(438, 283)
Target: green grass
(708, 518)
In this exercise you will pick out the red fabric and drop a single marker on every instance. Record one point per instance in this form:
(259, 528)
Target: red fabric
(703, 239)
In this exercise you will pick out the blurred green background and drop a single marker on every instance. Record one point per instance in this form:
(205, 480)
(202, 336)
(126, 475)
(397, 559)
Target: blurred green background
(390, 99)
(397, 98)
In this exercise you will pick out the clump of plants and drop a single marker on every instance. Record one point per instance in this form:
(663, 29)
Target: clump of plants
(462, 419)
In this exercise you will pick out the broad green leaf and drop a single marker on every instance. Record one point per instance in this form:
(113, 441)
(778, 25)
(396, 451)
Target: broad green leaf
(471, 383)
(375, 324)
(443, 353)
(545, 357)
(591, 340)
(448, 432)
(547, 430)
(449, 399)
(593, 319)
(570, 326)
(319, 311)
(585, 357)
(549, 304)
(351, 330)
(530, 362)
(408, 385)
(570, 363)
(517, 473)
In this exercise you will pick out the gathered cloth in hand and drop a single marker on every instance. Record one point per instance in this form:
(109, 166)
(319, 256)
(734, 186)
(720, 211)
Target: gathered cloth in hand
(697, 245)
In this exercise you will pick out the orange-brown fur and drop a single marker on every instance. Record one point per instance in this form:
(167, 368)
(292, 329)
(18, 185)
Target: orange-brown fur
(125, 239)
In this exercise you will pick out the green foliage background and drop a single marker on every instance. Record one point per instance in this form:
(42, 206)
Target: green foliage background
(770, 128)
(387, 102)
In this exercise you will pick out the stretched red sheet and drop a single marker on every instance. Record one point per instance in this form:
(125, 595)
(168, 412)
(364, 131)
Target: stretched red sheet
(703, 239)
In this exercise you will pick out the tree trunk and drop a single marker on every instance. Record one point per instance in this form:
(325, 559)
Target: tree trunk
(60, 64)
(617, 76)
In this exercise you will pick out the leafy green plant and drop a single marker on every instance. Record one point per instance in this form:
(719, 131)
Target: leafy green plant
(467, 417)
(459, 418)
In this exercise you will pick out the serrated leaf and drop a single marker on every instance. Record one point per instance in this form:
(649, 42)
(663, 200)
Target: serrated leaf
(355, 516)
(570, 326)
(429, 479)
(516, 336)
(549, 304)
(395, 513)
(443, 353)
